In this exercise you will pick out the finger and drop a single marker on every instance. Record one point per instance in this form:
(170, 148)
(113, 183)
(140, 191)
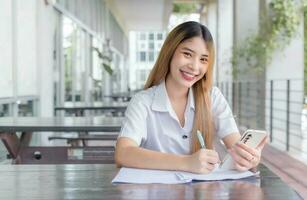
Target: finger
(240, 160)
(212, 153)
(255, 161)
(209, 166)
(263, 143)
(258, 154)
(241, 151)
(247, 148)
(212, 160)
(205, 155)
(240, 168)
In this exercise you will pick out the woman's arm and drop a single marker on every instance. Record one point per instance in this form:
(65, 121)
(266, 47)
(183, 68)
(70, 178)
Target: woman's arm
(231, 139)
(244, 156)
(128, 154)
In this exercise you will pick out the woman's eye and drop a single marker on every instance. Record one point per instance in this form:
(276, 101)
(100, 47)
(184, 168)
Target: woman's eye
(187, 54)
(204, 60)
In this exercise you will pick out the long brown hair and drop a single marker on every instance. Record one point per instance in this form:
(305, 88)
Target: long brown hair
(201, 89)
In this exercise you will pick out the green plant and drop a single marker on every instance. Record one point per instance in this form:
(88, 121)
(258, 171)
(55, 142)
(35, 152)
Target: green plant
(184, 7)
(106, 60)
(276, 28)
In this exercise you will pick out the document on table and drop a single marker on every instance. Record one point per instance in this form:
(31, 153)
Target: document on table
(142, 176)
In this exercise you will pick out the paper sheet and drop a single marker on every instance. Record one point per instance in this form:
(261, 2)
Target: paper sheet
(131, 175)
(215, 175)
(143, 176)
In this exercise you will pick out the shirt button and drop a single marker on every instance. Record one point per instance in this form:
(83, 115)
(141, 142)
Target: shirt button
(184, 137)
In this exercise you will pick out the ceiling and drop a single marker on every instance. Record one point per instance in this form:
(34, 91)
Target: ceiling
(140, 15)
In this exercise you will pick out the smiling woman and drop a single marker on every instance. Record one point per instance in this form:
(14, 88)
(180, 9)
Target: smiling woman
(161, 121)
(190, 60)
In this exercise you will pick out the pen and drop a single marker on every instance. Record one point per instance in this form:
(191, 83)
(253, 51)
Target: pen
(201, 139)
(225, 158)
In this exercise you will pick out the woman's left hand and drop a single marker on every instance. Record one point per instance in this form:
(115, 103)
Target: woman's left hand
(246, 157)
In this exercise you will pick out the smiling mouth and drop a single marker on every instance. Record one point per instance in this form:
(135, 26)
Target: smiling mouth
(187, 76)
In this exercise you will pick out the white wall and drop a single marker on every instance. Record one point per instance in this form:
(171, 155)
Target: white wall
(46, 22)
(6, 75)
(246, 18)
(225, 45)
(209, 19)
(26, 48)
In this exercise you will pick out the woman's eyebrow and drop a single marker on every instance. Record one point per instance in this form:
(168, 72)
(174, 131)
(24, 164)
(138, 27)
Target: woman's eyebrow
(188, 49)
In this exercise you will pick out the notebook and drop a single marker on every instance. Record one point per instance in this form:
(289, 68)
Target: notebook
(146, 176)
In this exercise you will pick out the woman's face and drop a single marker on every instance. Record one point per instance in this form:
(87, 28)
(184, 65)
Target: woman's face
(189, 63)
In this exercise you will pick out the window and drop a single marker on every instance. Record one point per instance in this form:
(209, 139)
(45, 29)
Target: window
(151, 45)
(142, 56)
(75, 50)
(26, 108)
(79, 65)
(160, 36)
(151, 36)
(142, 36)
(4, 110)
(142, 76)
(116, 76)
(159, 45)
(142, 45)
(151, 56)
(96, 72)
(68, 50)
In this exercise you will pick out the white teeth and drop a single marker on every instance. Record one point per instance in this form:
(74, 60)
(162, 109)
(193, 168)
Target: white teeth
(188, 74)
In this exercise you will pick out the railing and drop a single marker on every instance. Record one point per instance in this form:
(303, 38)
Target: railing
(276, 106)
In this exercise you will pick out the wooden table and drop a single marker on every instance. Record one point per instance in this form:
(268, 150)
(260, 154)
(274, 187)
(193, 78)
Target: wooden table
(22, 153)
(79, 108)
(44, 182)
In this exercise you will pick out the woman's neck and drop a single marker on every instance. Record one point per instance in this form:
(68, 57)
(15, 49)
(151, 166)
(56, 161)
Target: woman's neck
(175, 91)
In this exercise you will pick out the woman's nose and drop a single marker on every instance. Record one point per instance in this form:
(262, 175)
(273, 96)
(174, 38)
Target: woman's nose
(195, 65)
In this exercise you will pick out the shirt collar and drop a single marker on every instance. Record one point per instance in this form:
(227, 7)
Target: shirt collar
(161, 101)
(191, 99)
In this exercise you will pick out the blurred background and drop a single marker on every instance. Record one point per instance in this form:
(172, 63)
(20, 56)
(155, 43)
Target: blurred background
(70, 52)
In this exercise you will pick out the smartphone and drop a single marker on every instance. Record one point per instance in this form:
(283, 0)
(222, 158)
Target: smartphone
(251, 138)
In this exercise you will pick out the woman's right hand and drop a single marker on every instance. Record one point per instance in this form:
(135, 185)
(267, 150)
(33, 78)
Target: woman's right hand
(202, 161)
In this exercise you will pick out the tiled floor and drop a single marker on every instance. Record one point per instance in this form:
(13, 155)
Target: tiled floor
(292, 171)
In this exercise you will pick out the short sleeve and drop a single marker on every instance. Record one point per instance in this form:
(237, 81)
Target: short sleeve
(222, 114)
(134, 123)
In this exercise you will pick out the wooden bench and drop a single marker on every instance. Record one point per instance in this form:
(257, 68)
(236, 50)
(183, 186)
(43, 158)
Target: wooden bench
(291, 170)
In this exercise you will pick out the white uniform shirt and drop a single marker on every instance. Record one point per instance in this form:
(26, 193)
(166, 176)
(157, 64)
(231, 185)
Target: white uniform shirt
(153, 124)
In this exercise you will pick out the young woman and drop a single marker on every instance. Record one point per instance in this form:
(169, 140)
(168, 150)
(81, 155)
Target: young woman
(159, 130)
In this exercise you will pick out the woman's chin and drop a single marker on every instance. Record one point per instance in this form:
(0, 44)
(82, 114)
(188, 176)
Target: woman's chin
(186, 84)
